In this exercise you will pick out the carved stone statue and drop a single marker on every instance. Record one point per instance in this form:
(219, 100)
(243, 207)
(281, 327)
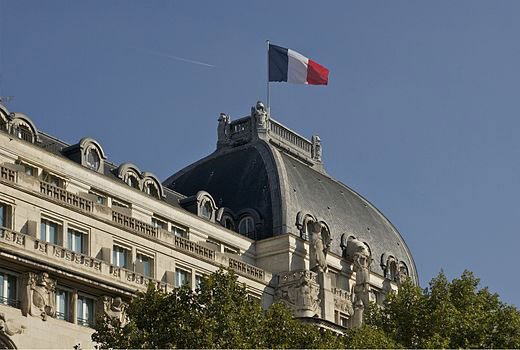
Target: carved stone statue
(259, 112)
(9, 326)
(223, 129)
(299, 290)
(316, 148)
(402, 274)
(113, 308)
(38, 297)
(318, 260)
(357, 252)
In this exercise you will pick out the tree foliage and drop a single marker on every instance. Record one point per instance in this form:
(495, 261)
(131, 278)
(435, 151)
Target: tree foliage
(219, 314)
(453, 314)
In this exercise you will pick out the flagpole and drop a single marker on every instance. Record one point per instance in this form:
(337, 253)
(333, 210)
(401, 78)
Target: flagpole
(268, 103)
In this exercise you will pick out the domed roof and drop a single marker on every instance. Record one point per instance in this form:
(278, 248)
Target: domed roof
(279, 174)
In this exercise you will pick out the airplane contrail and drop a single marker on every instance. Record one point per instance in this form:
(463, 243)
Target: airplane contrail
(180, 59)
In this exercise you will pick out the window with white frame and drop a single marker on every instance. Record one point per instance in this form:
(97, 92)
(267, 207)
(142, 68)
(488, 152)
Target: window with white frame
(63, 303)
(206, 210)
(121, 257)
(50, 231)
(178, 231)
(85, 311)
(182, 278)
(246, 226)
(52, 179)
(198, 281)
(5, 215)
(77, 241)
(101, 199)
(159, 224)
(8, 289)
(144, 265)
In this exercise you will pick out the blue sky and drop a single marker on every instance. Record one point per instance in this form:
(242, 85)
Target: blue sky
(420, 115)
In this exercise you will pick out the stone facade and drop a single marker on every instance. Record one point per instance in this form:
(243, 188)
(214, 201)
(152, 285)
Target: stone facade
(80, 235)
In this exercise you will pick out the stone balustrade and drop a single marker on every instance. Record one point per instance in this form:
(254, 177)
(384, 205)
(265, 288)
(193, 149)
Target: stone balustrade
(65, 196)
(135, 225)
(194, 248)
(279, 131)
(246, 269)
(7, 174)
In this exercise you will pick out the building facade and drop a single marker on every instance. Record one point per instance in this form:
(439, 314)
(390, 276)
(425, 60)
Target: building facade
(80, 235)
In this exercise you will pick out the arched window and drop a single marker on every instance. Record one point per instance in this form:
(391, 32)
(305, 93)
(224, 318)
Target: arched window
(151, 189)
(24, 133)
(92, 158)
(246, 226)
(132, 181)
(228, 223)
(206, 210)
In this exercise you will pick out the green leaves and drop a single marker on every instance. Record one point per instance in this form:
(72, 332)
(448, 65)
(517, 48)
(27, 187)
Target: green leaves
(220, 315)
(447, 315)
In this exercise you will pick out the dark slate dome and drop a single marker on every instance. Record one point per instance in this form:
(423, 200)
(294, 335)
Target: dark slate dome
(261, 165)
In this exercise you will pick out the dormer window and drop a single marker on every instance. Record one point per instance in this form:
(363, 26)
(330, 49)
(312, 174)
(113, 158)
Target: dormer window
(132, 181)
(206, 210)
(228, 223)
(92, 158)
(246, 226)
(150, 188)
(24, 133)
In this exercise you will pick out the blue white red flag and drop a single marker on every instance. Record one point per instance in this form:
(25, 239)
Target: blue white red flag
(292, 67)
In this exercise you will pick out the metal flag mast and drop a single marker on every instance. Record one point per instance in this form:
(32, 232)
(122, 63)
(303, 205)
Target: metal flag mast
(267, 102)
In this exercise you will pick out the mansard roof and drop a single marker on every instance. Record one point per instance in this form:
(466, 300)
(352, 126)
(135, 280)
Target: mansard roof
(261, 164)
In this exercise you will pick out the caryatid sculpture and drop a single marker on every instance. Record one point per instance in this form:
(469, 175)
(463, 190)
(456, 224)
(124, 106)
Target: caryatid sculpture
(358, 253)
(318, 250)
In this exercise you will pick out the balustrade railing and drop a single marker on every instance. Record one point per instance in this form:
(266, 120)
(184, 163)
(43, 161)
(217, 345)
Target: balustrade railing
(7, 174)
(290, 136)
(194, 248)
(246, 269)
(134, 224)
(65, 196)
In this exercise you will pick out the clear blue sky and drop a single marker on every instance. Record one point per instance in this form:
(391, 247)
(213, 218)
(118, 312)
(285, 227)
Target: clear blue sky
(421, 114)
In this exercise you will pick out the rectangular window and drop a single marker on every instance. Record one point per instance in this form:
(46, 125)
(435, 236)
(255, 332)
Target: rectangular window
(52, 179)
(343, 320)
(198, 280)
(4, 210)
(8, 290)
(144, 265)
(85, 311)
(49, 231)
(179, 232)
(77, 241)
(182, 278)
(63, 305)
(29, 170)
(159, 224)
(121, 257)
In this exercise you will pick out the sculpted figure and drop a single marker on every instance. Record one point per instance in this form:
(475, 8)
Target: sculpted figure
(223, 129)
(113, 308)
(39, 296)
(260, 114)
(316, 148)
(9, 326)
(317, 252)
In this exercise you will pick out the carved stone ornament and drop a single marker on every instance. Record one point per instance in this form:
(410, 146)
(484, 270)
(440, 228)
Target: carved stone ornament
(316, 148)
(342, 301)
(318, 250)
(113, 308)
(259, 112)
(299, 290)
(223, 129)
(9, 326)
(358, 253)
(38, 295)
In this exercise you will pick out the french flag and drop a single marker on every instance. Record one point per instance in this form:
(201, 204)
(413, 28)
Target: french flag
(292, 67)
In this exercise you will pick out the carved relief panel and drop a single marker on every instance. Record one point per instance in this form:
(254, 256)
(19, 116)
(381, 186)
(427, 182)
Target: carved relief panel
(299, 290)
(38, 295)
